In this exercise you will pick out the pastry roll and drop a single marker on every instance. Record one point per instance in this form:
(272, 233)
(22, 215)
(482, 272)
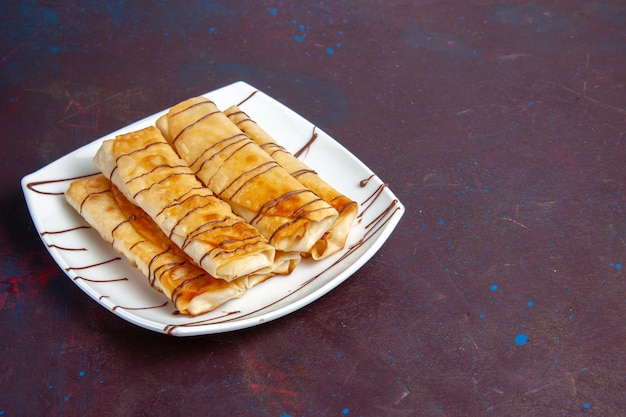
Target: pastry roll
(148, 172)
(133, 234)
(335, 238)
(292, 217)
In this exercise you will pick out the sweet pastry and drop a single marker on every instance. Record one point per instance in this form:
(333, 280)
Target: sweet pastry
(292, 217)
(145, 168)
(133, 234)
(335, 238)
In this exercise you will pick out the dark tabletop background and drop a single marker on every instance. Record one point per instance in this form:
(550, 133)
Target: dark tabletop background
(499, 124)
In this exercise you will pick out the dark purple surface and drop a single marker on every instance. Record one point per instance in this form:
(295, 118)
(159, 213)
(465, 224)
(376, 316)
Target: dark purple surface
(499, 124)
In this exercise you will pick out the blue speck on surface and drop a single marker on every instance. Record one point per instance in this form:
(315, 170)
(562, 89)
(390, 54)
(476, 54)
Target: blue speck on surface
(586, 405)
(493, 287)
(273, 11)
(330, 51)
(81, 373)
(521, 339)
(345, 411)
(441, 222)
(530, 303)
(618, 266)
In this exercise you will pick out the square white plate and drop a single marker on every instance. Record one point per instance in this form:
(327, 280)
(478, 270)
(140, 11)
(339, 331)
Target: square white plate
(99, 271)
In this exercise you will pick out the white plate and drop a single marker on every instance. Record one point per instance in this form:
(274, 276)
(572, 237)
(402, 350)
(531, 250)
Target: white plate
(110, 280)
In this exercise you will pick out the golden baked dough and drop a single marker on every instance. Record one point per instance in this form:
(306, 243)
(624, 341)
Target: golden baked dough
(335, 238)
(148, 172)
(289, 215)
(133, 234)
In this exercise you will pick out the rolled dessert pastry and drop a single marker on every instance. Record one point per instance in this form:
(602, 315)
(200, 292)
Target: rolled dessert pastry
(234, 167)
(335, 238)
(145, 168)
(134, 235)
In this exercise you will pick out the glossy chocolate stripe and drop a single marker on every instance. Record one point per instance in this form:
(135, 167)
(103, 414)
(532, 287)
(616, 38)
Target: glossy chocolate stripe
(364, 182)
(300, 172)
(155, 169)
(367, 236)
(274, 148)
(265, 167)
(75, 268)
(378, 218)
(307, 145)
(270, 147)
(212, 226)
(89, 196)
(31, 185)
(247, 98)
(254, 240)
(139, 308)
(136, 151)
(302, 211)
(294, 221)
(372, 198)
(67, 249)
(137, 243)
(127, 221)
(64, 230)
(180, 289)
(184, 198)
(151, 274)
(227, 241)
(213, 153)
(277, 201)
(200, 103)
(164, 269)
(297, 219)
(163, 180)
(241, 113)
(169, 328)
(225, 251)
(130, 154)
(100, 280)
(61, 232)
(248, 142)
(182, 218)
(186, 128)
(189, 236)
(348, 204)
